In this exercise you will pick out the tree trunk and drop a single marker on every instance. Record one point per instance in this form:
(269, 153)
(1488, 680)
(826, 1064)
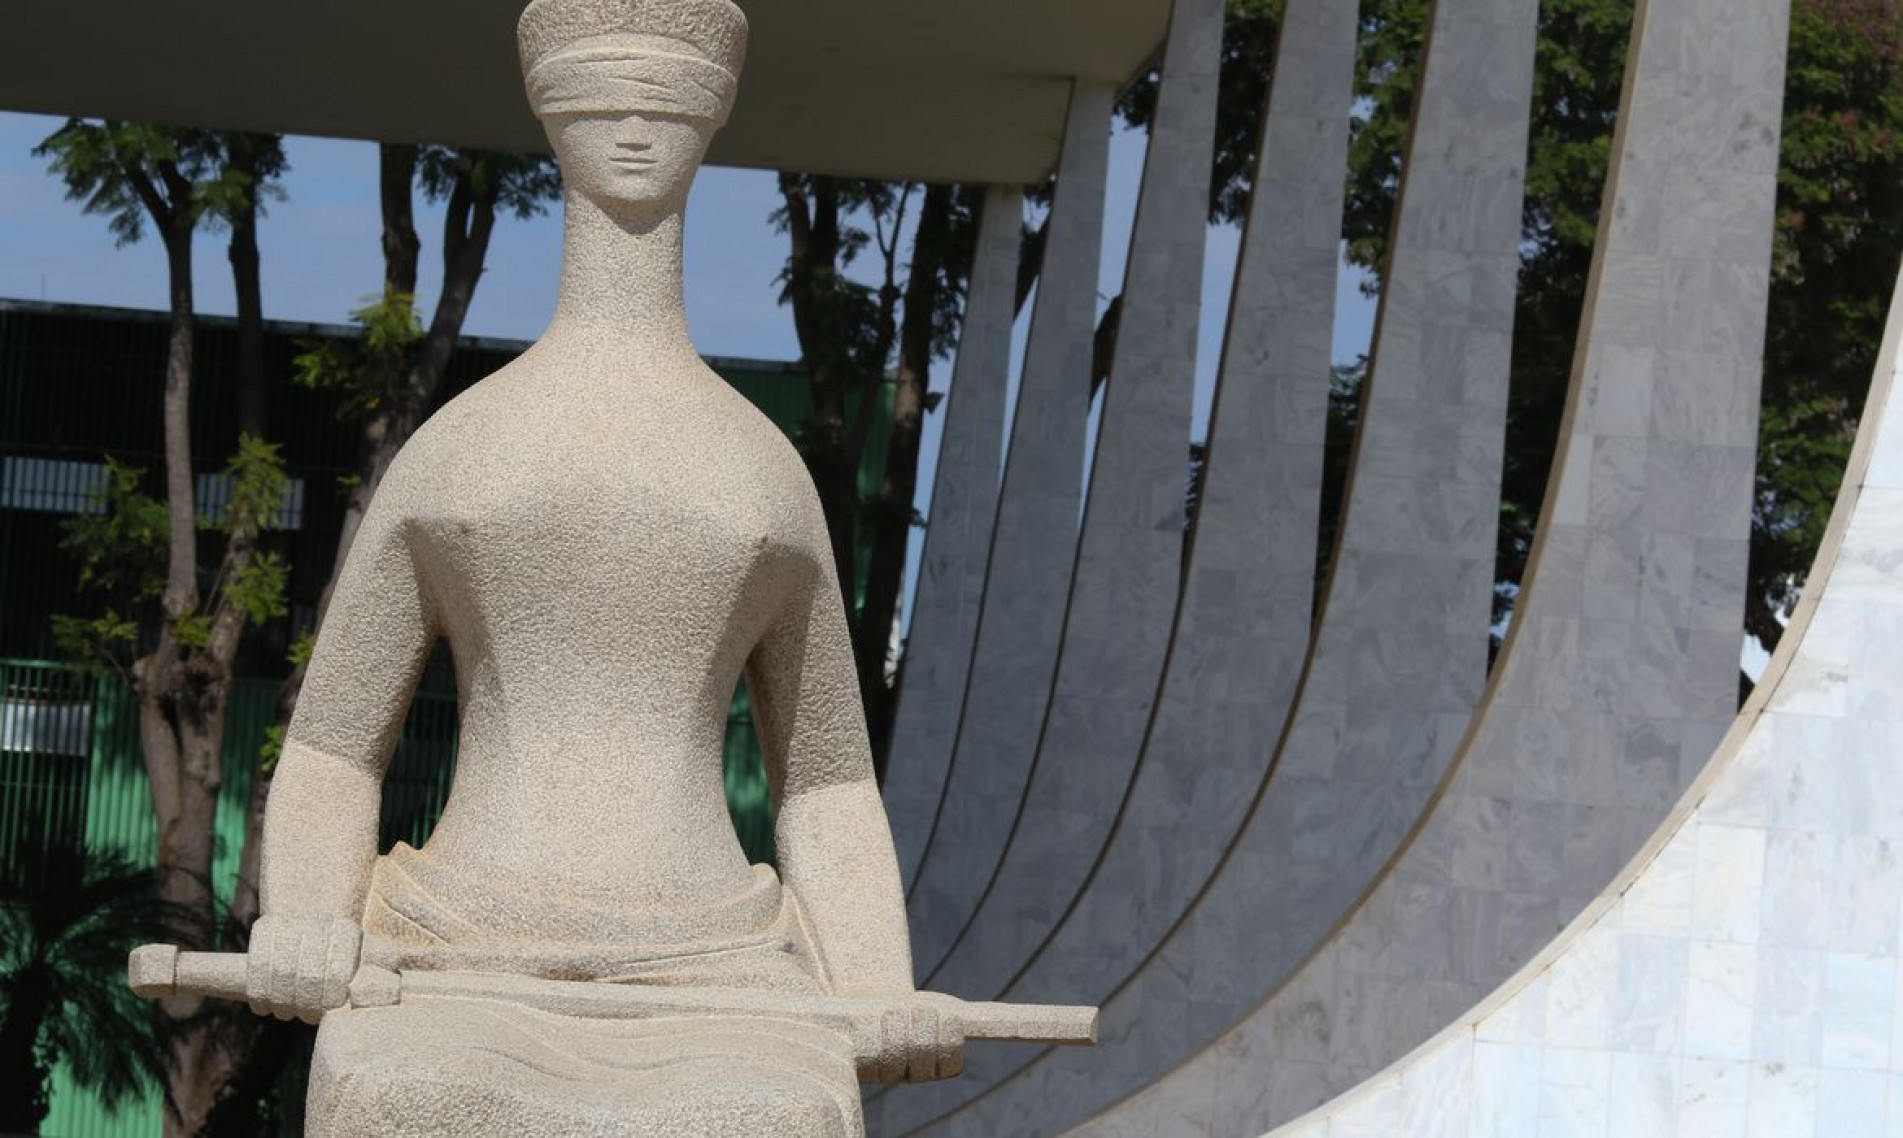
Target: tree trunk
(248, 291)
(812, 272)
(181, 571)
(396, 181)
(891, 518)
(183, 699)
(1104, 344)
(253, 412)
(183, 691)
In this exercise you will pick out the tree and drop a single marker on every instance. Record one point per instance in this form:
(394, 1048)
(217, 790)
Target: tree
(68, 917)
(174, 639)
(1839, 238)
(850, 335)
(255, 163)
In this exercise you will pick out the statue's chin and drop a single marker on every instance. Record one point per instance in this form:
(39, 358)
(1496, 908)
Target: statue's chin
(635, 204)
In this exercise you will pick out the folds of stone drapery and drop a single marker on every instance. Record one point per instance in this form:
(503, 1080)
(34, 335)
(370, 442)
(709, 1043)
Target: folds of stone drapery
(1033, 538)
(1242, 626)
(1067, 774)
(963, 510)
(1739, 977)
(1400, 653)
(1620, 674)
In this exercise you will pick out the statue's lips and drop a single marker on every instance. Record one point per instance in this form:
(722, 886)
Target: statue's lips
(634, 161)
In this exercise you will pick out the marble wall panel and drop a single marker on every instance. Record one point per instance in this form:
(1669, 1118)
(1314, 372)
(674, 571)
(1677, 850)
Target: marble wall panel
(959, 523)
(1034, 536)
(1129, 557)
(1740, 978)
(1400, 655)
(1243, 626)
(1605, 705)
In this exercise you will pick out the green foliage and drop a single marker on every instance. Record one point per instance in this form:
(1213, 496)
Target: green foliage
(193, 630)
(68, 917)
(121, 547)
(258, 483)
(524, 184)
(258, 590)
(92, 642)
(373, 369)
(1838, 241)
(120, 541)
(299, 654)
(271, 750)
(1388, 57)
(127, 171)
(246, 176)
(258, 586)
(119, 170)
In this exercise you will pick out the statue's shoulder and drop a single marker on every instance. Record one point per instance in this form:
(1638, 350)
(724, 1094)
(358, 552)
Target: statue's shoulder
(462, 429)
(729, 426)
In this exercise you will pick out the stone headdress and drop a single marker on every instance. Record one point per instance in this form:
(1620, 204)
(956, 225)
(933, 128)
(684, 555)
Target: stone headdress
(679, 57)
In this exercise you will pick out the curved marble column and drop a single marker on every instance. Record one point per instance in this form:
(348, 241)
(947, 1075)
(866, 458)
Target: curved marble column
(963, 511)
(1034, 538)
(1400, 655)
(1621, 670)
(1243, 625)
(1129, 558)
(1740, 978)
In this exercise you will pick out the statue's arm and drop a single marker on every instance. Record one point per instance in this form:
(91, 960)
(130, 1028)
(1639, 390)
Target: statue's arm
(320, 825)
(835, 848)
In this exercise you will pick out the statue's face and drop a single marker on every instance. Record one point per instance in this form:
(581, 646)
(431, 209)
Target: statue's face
(641, 162)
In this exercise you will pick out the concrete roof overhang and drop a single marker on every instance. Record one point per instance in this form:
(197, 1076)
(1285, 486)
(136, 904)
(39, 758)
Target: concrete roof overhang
(935, 90)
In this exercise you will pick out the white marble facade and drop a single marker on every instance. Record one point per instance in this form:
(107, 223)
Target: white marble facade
(1740, 979)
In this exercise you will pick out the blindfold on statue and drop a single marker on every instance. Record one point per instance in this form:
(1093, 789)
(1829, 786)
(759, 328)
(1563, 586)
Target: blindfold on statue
(610, 79)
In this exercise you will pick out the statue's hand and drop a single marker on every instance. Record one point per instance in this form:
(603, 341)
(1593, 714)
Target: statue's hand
(299, 965)
(923, 1039)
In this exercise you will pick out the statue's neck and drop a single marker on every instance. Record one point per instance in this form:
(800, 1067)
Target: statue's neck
(621, 283)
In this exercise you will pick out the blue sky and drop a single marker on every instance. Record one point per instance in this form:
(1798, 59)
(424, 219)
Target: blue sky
(321, 257)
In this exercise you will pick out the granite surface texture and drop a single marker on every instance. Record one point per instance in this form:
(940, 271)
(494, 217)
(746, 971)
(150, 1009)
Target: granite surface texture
(1740, 978)
(1034, 538)
(1621, 671)
(1130, 554)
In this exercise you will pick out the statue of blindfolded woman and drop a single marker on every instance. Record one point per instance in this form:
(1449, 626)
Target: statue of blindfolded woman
(608, 537)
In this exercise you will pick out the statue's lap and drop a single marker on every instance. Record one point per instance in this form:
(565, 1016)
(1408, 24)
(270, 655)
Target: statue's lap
(469, 1067)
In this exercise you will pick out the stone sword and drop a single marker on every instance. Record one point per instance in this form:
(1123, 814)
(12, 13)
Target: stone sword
(894, 1039)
